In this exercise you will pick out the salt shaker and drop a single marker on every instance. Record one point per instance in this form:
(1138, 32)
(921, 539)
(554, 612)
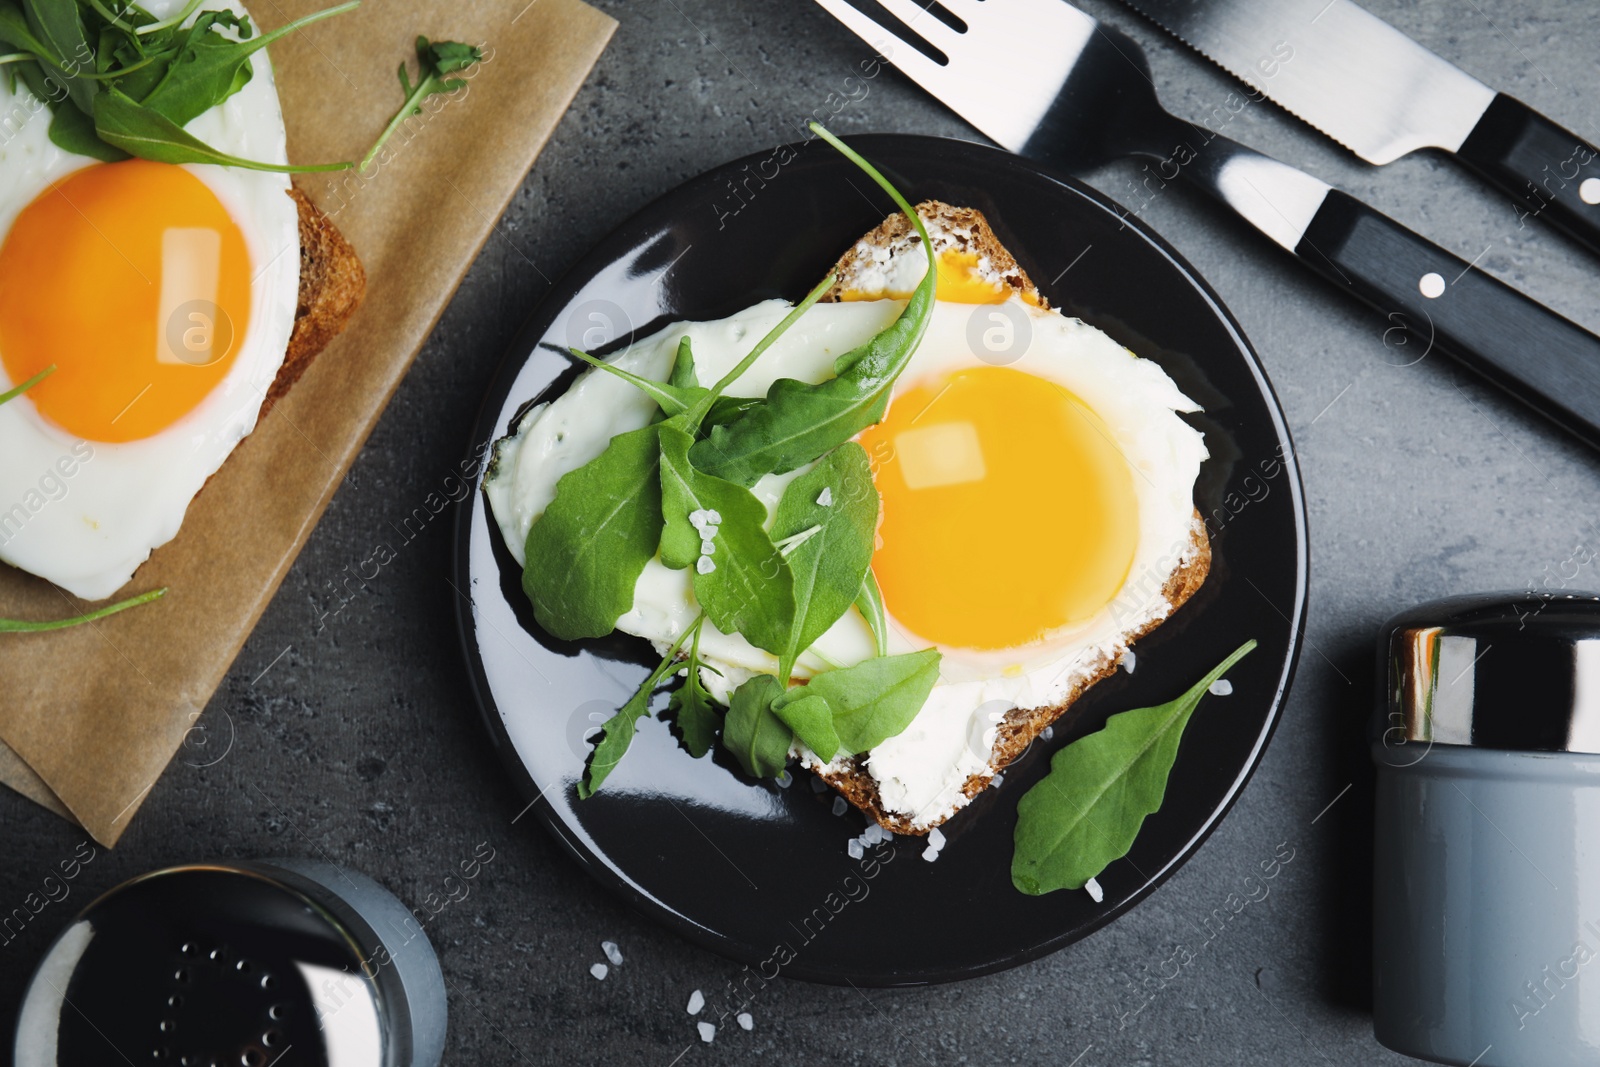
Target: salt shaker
(285, 961)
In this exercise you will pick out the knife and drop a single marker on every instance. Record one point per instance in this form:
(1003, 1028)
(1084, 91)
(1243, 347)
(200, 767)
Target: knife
(1382, 95)
(1078, 94)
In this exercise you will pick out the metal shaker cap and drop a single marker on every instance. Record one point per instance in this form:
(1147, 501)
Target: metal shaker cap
(1511, 671)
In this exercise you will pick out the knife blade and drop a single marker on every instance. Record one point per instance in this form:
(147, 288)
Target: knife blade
(1382, 95)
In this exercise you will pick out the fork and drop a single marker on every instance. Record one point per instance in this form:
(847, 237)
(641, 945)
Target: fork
(1049, 82)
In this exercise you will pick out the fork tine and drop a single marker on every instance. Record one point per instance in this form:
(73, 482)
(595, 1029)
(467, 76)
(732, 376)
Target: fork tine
(917, 17)
(891, 46)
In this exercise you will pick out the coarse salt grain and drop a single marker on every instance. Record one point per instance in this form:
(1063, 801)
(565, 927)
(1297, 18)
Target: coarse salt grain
(613, 953)
(697, 1000)
(599, 971)
(704, 565)
(784, 779)
(1047, 733)
(1221, 687)
(1128, 660)
(745, 1021)
(818, 785)
(853, 847)
(826, 498)
(840, 806)
(707, 1032)
(1094, 890)
(936, 838)
(930, 853)
(994, 783)
(708, 547)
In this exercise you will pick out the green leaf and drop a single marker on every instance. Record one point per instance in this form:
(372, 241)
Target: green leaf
(873, 700)
(124, 123)
(683, 372)
(670, 398)
(434, 61)
(745, 586)
(73, 131)
(18, 36)
(692, 707)
(616, 733)
(799, 422)
(58, 28)
(19, 626)
(811, 719)
(1087, 811)
(830, 566)
(209, 67)
(870, 604)
(758, 739)
(586, 552)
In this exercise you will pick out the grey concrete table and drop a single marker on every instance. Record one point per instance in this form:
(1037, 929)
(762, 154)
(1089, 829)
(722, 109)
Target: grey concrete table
(352, 737)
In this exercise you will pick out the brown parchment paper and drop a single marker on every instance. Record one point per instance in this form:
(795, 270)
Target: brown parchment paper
(91, 716)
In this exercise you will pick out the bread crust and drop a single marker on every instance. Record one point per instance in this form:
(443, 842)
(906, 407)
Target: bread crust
(332, 283)
(962, 229)
(968, 230)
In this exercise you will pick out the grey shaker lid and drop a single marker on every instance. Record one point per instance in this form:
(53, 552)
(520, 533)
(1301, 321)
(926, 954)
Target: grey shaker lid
(1510, 671)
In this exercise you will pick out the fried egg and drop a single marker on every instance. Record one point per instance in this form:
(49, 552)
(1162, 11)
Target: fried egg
(1037, 491)
(164, 296)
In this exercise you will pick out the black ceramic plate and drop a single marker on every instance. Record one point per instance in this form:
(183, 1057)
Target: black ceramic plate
(760, 873)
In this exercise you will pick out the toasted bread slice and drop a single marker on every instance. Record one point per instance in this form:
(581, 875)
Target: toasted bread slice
(964, 241)
(332, 283)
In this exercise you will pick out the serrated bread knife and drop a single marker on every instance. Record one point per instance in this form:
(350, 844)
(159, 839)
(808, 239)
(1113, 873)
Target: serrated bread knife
(1077, 94)
(1381, 95)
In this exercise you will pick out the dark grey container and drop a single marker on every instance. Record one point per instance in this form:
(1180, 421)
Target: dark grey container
(1486, 907)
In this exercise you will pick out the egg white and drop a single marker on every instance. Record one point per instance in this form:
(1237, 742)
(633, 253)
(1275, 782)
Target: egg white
(920, 771)
(86, 514)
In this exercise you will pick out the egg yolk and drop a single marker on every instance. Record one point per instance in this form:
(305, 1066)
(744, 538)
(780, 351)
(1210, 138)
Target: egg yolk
(134, 281)
(1008, 510)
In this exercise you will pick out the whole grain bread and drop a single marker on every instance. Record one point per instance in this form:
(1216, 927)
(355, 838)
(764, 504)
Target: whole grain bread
(967, 230)
(332, 283)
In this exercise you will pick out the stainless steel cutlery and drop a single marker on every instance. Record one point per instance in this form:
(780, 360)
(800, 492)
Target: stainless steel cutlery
(1051, 83)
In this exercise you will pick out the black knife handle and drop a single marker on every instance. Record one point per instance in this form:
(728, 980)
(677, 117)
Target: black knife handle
(1519, 344)
(1542, 166)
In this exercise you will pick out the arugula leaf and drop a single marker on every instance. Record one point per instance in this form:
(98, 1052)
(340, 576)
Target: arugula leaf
(161, 73)
(870, 604)
(744, 584)
(871, 701)
(671, 398)
(73, 131)
(586, 552)
(434, 62)
(830, 566)
(798, 421)
(1087, 811)
(811, 718)
(20, 626)
(683, 372)
(758, 739)
(616, 733)
(692, 707)
(208, 67)
(126, 124)
(56, 25)
(12, 394)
